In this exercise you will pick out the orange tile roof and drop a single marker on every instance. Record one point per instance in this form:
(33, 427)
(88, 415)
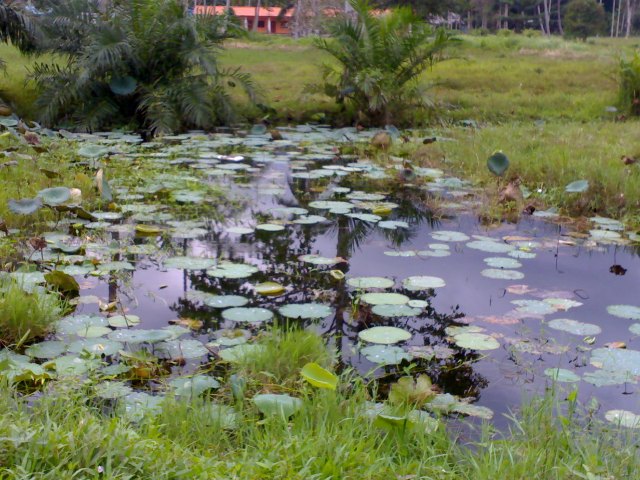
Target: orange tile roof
(243, 11)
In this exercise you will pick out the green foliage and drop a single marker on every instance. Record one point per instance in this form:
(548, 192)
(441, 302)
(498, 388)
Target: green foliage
(144, 63)
(629, 84)
(379, 59)
(25, 316)
(15, 28)
(584, 18)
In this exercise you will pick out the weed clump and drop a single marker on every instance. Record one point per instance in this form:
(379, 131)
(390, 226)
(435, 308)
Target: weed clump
(26, 316)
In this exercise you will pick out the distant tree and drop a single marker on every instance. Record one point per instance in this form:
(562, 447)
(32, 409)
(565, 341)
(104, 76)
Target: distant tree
(15, 28)
(584, 18)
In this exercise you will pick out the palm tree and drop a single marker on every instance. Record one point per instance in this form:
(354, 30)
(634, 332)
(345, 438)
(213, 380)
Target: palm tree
(379, 59)
(145, 63)
(15, 28)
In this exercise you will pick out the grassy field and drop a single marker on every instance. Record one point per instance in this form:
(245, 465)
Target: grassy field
(545, 102)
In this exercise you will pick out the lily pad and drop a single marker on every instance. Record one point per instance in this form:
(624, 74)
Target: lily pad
(623, 418)
(111, 390)
(249, 315)
(393, 224)
(320, 260)
(269, 289)
(561, 375)
(240, 230)
(578, 186)
(391, 311)
(187, 349)
(232, 270)
(370, 282)
(502, 262)
(624, 311)
(47, 349)
(96, 346)
(189, 263)
(305, 311)
(124, 320)
(419, 283)
(319, 377)
(385, 354)
(575, 327)
(449, 236)
(384, 298)
(476, 341)
(240, 353)
(271, 404)
(498, 163)
(617, 360)
(491, 246)
(502, 274)
(384, 335)
(139, 336)
(26, 206)
(193, 386)
(270, 227)
(55, 195)
(217, 301)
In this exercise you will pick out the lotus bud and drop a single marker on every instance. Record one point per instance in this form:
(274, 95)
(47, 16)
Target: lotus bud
(76, 196)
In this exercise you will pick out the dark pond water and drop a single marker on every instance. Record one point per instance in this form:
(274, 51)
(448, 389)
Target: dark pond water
(560, 277)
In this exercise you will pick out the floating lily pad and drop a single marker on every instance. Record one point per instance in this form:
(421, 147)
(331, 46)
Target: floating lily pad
(502, 262)
(365, 217)
(617, 359)
(635, 328)
(189, 263)
(271, 404)
(473, 410)
(384, 298)
(26, 206)
(270, 227)
(624, 311)
(575, 327)
(111, 390)
(305, 311)
(605, 378)
(193, 386)
(55, 195)
(116, 266)
(498, 163)
(232, 270)
(269, 289)
(385, 354)
(490, 246)
(370, 282)
(48, 349)
(561, 375)
(623, 418)
(249, 315)
(502, 274)
(476, 341)
(309, 220)
(422, 283)
(320, 260)
(96, 346)
(240, 353)
(240, 230)
(390, 311)
(217, 301)
(534, 307)
(384, 335)
(449, 236)
(187, 349)
(135, 406)
(124, 320)
(139, 336)
(393, 224)
(331, 205)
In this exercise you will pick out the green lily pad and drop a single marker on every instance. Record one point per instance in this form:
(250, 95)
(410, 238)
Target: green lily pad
(320, 260)
(270, 227)
(384, 335)
(370, 282)
(385, 354)
(319, 377)
(476, 341)
(624, 311)
(96, 346)
(194, 386)
(232, 270)
(116, 266)
(124, 320)
(422, 283)
(490, 246)
(140, 335)
(187, 349)
(561, 375)
(135, 406)
(240, 230)
(25, 206)
(331, 205)
(502, 274)
(271, 404)
(473, 410)
(71, 325)
(384, 298)
(449, 236)
(393, 224)
(502, 262)
(365, 217)
(534, 307)
(92, 151)
(189, 263)
(623, 418)
(48, 349)
(575, 327)
(635, 328)
(391, 311)
(617, 360)
(93, 332)
(249, 315)
(111, 390)
(305, 311)
(578, 186)
(498, 163)
(410, 391)
(240, 353)
(309, 220)
(217, 301)
(55, 195)
(606, 378)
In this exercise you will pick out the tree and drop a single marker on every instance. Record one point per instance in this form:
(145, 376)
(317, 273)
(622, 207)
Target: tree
(379, 60)
(584, 18)
(16, 28)
(145, 63)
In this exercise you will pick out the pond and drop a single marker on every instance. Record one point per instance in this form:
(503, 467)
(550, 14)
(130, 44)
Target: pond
(309, 236)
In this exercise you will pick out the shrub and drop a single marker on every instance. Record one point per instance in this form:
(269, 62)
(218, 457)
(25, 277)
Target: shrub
(145, 63)
(584, 18)
(26, 316)
(629, 85)
(379, 60)
(531, 33)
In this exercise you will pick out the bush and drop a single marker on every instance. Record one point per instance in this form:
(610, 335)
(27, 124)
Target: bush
(378, 62)
(149, 64)
(584, 18)
(629, 85)
(26, 316)
(531, 33)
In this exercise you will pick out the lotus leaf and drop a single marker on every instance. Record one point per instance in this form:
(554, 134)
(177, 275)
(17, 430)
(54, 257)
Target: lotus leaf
(271, 404)
(250, 315)
(385, 354)
(384, 298)
(384, 335)
(422, 283)
(319, 377)
(305, 311)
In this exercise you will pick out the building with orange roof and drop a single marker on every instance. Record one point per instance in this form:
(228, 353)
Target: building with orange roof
(270, 20)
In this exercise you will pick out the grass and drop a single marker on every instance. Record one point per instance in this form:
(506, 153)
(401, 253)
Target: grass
(26, 316)
(70, 433)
